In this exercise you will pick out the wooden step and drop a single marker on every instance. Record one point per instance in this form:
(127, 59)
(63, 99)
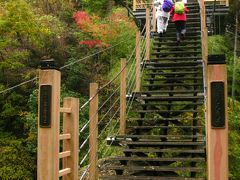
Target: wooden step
(165, 150)
(157, 159)
(164, 119)
(167, 37)
(191, 53)
(167, 111)
(164, 64)
(172, 104)
(172, 79)
(188, 24)
(158, 137)
(147, 177)
(165, 143)
(172, 33)
(178, 48)
(154, 86)
(172, 91)
(156, 168)
(174, 42)
(165, 127)
(175, 59)
(172, 98)
(175, 73)
(175, 68)
(191, 29)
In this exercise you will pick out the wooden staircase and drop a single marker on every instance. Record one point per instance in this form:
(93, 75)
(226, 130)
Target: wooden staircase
(167, 138)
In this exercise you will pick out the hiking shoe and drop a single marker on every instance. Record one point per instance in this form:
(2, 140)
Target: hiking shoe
(182, 36)
(178, 41)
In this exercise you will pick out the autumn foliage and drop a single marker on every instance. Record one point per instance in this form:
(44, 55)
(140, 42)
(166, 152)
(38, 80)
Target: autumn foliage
(102, 31)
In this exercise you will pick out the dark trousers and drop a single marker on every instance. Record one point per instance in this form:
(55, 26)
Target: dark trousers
(181, 28)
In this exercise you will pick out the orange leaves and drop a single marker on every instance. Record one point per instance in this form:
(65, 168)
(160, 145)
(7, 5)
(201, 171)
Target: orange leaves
(103, 31)
(93, 43)
(81, 18)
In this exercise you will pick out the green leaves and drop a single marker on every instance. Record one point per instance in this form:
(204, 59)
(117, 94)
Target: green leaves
(15, 162)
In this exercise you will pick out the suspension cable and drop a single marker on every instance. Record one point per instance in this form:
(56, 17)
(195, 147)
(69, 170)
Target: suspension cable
(13, 87)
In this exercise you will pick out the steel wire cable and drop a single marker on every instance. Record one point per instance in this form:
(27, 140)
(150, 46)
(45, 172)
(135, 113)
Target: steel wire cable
(13, 87)
(82, 145)
(135, 94)
(128, 102)
(141, 39)
(108, 148)
(70, 64)
(131, 83)
(112, 80)
(84, 127)
(109, 122)
(112, 105)
(84, 173)
(102, 106)
(84, 158)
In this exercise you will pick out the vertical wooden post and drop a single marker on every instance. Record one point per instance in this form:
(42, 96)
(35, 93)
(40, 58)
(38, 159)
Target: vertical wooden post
(71, 127)
(93, 144)
(154, 19)
(147, 33)
(122, 129)
(138, 61)
(227, 3)
(217, 121)
(48, 124)
(134, 5)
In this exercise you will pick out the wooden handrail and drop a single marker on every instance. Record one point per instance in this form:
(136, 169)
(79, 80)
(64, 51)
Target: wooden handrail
(65, 110)
(93, 131)
(147, 55)
(223, 2)
(64, 172)
(122, 128)
(71, 137)
(64, 154)
(64, 136)
(138, 61)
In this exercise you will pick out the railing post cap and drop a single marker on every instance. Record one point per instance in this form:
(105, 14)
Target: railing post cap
(48, 64)
(216, 59)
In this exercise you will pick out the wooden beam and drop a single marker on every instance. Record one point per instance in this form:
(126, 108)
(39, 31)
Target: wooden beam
(147, 33)
(134, 5)
(93, 130)
(154, 19)
(64, 154)
(65, 110)
(138, 61)
(64, 136)
(64, 172)
(71, 126)
(122, 129)
(48, 137)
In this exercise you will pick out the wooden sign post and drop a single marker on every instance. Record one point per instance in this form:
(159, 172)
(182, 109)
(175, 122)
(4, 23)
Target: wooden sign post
(48, 121)
(217, 118)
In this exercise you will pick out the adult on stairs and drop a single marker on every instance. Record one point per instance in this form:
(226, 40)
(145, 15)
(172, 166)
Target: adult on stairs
(179, 17)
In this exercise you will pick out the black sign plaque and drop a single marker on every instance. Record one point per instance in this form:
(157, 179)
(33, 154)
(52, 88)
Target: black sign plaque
(45, 106)
(217, 105)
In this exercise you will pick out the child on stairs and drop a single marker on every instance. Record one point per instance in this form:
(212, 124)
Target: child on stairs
(179, 17)
(162, 14)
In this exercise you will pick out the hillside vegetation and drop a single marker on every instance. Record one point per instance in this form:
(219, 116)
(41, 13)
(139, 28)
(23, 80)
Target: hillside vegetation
(68, 31)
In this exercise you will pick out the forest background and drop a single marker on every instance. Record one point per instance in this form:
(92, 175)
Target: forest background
(67, 31)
